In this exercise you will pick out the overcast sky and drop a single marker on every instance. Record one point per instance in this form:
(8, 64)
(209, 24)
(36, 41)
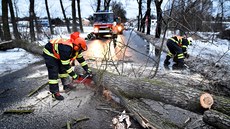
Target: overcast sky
(87, 8)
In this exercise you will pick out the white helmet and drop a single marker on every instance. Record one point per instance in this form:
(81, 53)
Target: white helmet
(190, 40)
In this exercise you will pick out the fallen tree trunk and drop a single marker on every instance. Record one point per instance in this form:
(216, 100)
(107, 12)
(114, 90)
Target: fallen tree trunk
(148, 112)
(217, 119)
(30, 47)
(179, 96)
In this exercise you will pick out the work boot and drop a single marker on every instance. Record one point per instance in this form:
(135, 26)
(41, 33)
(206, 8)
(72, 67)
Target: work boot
(166, 62)
(57, 96)
(179, 65)
(69, 87)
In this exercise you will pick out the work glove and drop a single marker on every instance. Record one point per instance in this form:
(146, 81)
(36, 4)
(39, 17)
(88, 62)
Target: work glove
(89, 72)
(76, 79)
(186, 55)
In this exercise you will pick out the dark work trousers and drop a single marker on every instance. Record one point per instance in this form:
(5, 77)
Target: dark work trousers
(175, 49)
(54, 67)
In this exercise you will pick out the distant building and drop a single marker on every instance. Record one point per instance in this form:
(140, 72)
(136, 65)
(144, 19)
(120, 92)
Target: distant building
(43, 22)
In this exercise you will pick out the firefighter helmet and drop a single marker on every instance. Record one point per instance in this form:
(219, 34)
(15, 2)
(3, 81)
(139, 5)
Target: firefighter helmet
(190, 40)
(79, 44)
(74, 35)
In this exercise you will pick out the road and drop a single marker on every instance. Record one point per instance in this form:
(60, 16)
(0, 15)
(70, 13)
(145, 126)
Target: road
(84, 102)
(131, 52)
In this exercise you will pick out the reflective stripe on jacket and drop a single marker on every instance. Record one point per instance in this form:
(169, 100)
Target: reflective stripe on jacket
(177, 40)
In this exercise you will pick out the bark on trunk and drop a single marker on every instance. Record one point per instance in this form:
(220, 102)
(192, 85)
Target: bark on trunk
(180, 96)
(147, 101)
(217, 119)
(30, 47)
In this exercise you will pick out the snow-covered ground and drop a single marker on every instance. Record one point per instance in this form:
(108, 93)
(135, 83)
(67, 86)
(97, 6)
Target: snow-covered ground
(15, 59)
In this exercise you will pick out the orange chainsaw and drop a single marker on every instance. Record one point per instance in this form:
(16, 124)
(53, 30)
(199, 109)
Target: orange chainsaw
(85, 79)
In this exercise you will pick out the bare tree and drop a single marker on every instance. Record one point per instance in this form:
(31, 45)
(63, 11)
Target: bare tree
(66, 20)
(15, 7)
(49, 19)
(98, 5)
(159, 18)
(32, 17)
(74, 22)
(79, 15)
(106, 4)
(1, 33)
(189, 15)
(6, 29)
(13, 21)
(119, 10)
(148, 17)
(139, 17)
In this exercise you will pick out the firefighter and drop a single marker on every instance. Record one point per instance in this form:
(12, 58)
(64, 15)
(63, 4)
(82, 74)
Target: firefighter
(58, 55)
(177, 47)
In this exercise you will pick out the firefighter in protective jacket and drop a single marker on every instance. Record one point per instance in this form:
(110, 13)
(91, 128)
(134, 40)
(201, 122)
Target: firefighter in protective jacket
(177, 47)
(58, 54)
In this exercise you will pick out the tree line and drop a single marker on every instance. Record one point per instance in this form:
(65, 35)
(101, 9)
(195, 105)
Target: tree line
(183, 15)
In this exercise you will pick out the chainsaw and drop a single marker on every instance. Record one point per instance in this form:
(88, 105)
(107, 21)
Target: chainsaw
(85, 79)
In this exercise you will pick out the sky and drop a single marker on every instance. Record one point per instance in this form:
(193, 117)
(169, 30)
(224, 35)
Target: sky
(87, 8)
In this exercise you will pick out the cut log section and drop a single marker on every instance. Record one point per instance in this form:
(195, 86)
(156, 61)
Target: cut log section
(206, 100)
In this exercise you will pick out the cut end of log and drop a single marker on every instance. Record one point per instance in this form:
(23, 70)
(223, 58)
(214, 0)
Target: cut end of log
(206, 100)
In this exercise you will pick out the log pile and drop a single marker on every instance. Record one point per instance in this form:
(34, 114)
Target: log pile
(158, 104)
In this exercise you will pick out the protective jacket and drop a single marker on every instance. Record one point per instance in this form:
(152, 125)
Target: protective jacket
(177, 46)
(59, 54)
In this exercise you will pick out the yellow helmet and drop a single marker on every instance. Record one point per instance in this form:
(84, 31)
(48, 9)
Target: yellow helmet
(189, 40)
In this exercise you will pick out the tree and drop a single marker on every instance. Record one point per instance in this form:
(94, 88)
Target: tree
(49, 19)
(5, 22)
(98, 5)
(189, 15)
(139, 17)
(1, 33)
(31, 20)
(13, 21)
(148, 16)
(74, 22)
(119, 10)
(66, 20)
(106, 4)
(159, 18)
(79, 15)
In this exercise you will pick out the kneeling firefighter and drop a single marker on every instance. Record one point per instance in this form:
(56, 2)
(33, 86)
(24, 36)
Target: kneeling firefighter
(58, 55)
(177, 47)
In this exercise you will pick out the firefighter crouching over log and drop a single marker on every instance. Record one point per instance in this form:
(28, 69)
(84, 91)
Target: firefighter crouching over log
(177, 47)
(58, 54)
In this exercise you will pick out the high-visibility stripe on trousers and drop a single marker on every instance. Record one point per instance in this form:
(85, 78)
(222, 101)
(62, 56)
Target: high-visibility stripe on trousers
(55, 70)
